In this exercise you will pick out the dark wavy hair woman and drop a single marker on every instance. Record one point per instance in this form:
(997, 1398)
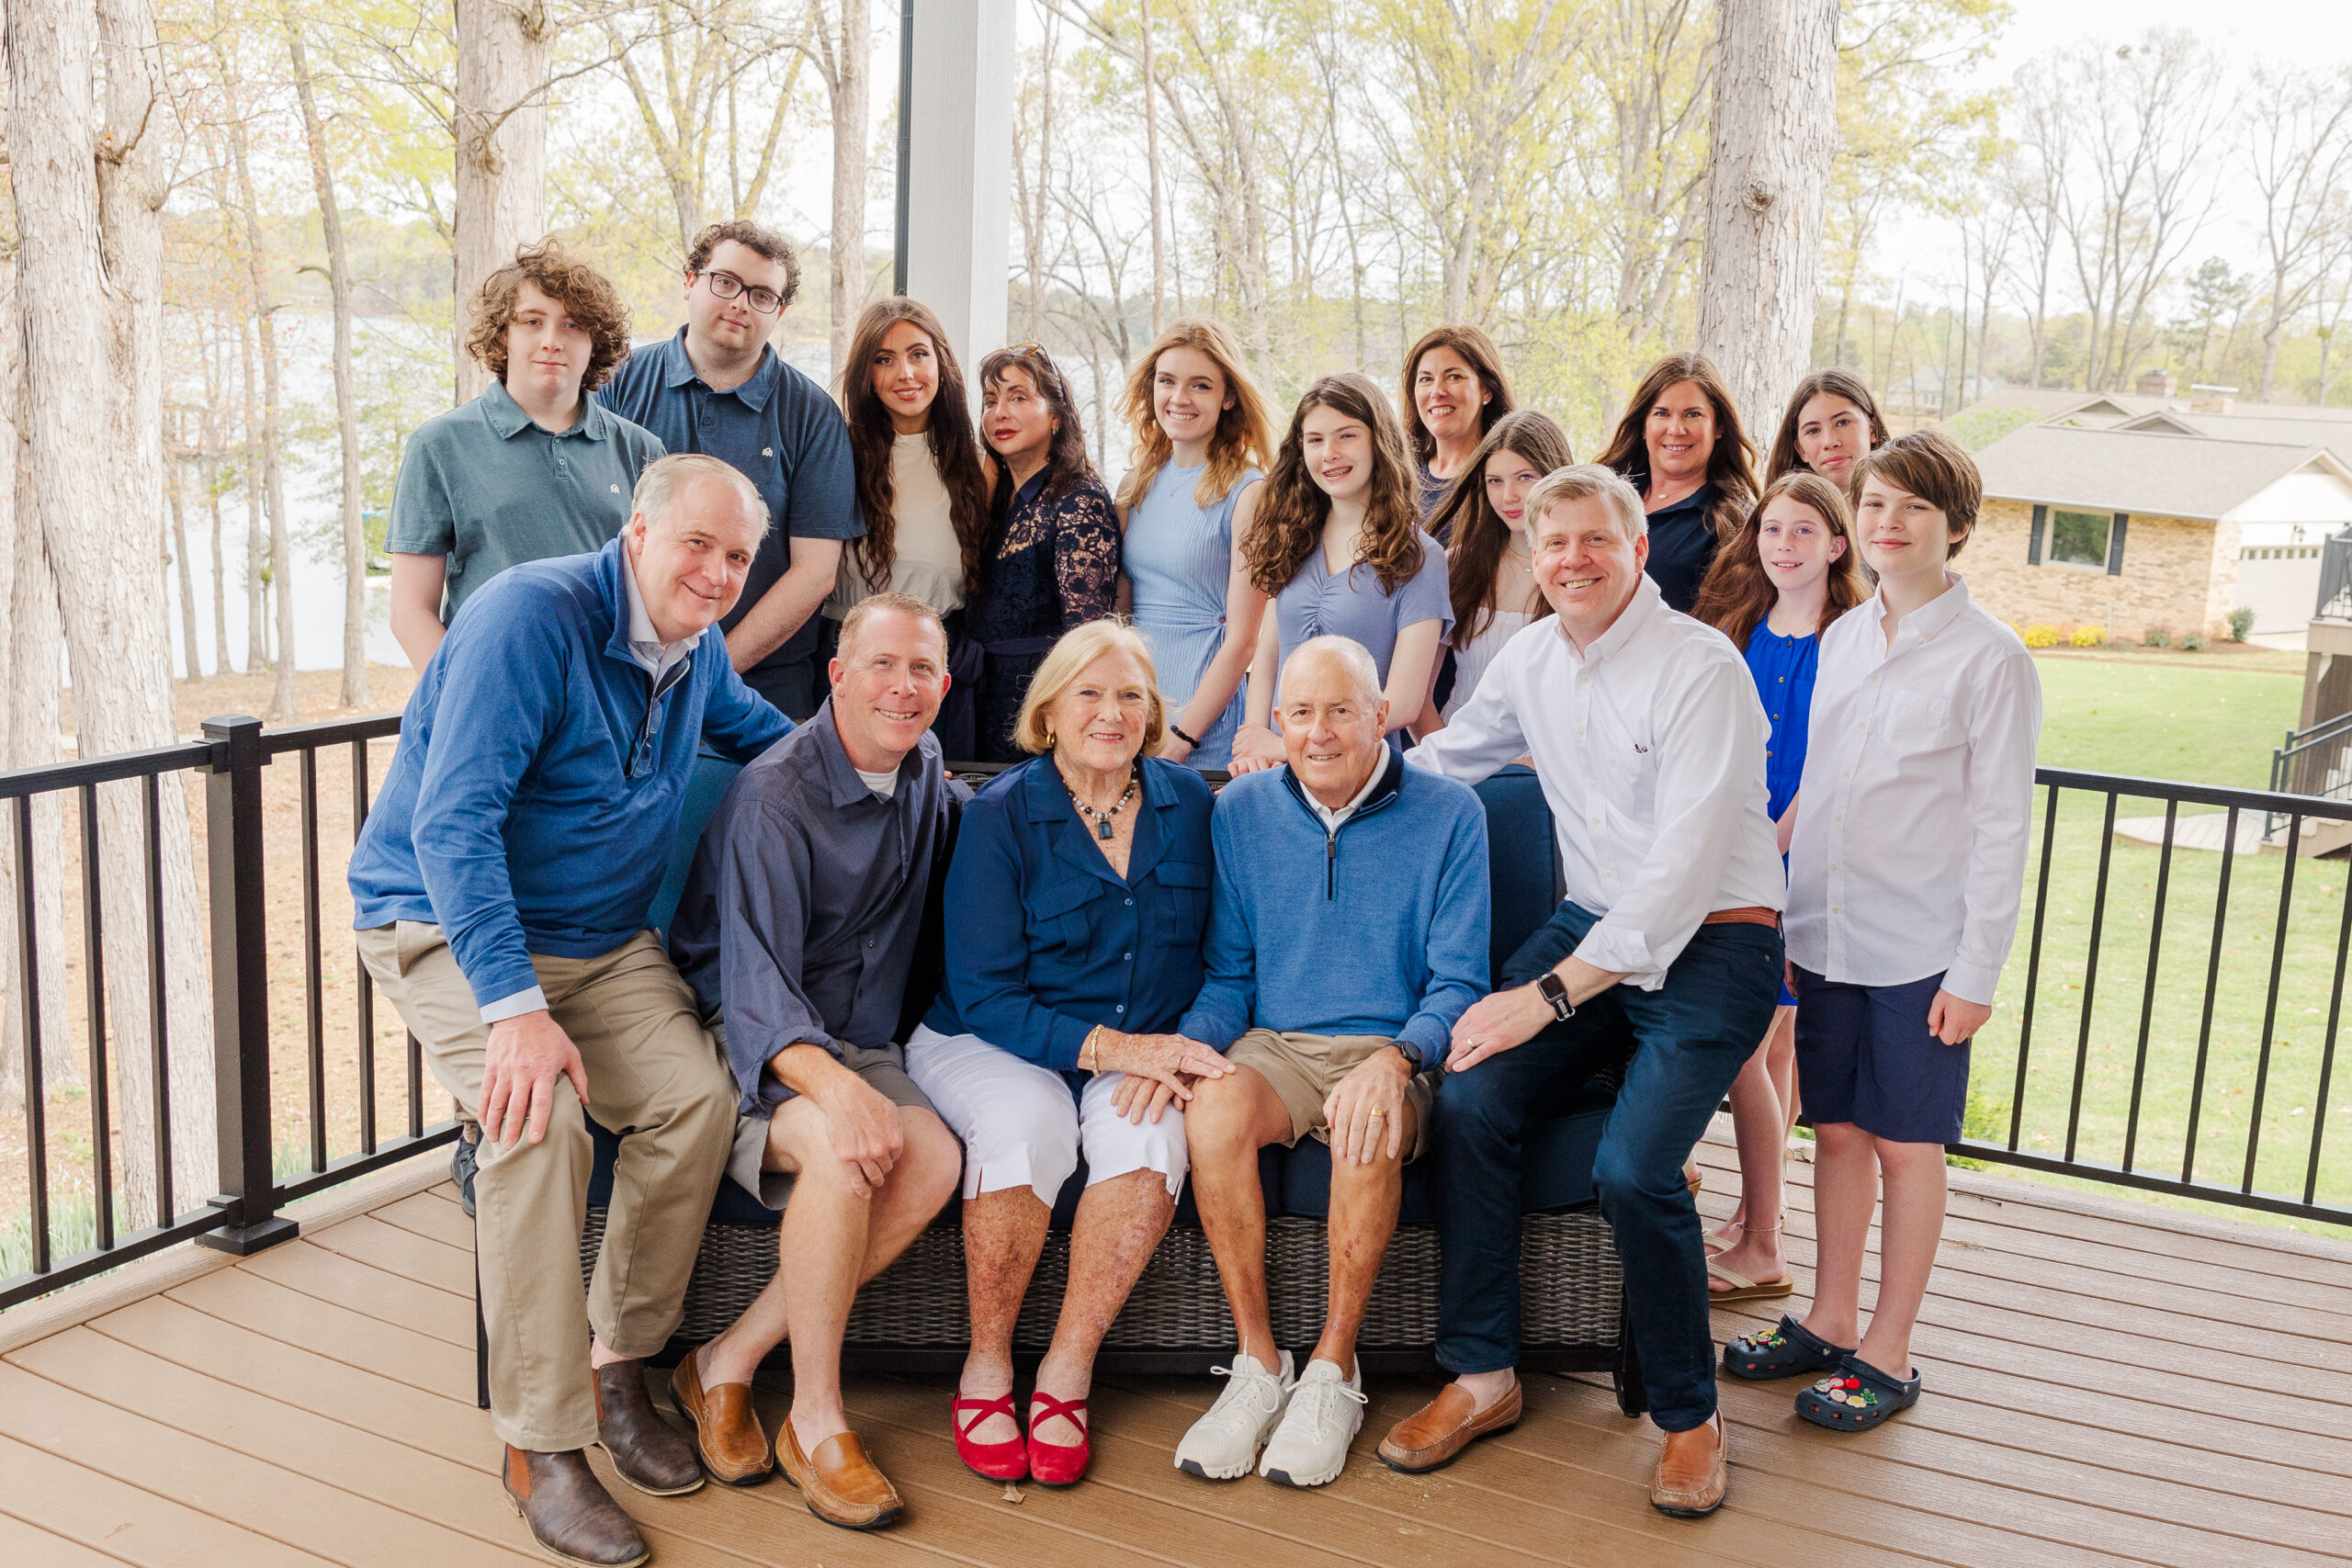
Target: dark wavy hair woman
(1489, 561)
(1454, 391)
(1052, 560)
(1341, 490)
(1831, 424)
(1681, 445)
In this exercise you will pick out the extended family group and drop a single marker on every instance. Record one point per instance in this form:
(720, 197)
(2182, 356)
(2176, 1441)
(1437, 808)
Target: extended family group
(1232, 891)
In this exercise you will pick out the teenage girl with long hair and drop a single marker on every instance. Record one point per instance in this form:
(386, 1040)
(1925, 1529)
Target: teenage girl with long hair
(1832, 422)
(1490, 563)
(1338, 547)
(1790, 569)
(1203, 442)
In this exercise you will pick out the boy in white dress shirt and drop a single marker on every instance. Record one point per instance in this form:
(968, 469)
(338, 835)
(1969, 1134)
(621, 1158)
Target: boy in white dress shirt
(1905, 875)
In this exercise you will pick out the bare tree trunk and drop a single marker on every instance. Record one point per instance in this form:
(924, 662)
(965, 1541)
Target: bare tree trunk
(844, 64)
(506, 49)
(1775, 128)
(1034, 219)
(281, 550)
(175, 482)
(1151, 159)
(210, 436)
(89, 205)
(256, 531)
(346, 401)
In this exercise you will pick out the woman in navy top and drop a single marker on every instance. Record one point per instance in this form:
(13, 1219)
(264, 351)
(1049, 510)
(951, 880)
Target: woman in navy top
(1790, 570)
(1338, 545)
(1681, 445)
(1075, 910)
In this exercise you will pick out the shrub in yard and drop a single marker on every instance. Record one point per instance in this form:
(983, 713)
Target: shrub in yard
(2195, 642)
(2088, 636)
(2241, 621)
(2042, 634)
(2156, 636)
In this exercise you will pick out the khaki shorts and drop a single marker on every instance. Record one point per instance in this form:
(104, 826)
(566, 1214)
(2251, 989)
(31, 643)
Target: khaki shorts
(1303, 1068)
(883, 1069)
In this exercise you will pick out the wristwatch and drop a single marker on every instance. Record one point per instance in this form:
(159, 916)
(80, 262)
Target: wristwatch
(1410, 1052)
(1554, 990)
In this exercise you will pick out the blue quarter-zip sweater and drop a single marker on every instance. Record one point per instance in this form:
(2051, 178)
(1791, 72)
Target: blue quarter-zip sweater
(1378, 929)
(532, 802)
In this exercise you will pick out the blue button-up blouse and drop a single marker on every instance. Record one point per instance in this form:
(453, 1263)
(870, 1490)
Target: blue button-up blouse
(1045, 940)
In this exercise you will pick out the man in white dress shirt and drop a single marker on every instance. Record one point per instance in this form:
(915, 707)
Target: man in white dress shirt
(1648, 738)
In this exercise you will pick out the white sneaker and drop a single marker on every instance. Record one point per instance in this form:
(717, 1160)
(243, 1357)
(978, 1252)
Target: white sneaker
(1224, 1443)
(1325, 1413)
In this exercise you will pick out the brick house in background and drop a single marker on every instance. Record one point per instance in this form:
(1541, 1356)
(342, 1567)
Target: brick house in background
(2130, 517)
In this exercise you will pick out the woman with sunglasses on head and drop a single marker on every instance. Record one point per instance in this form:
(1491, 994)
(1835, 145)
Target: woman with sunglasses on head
(1454, 392)
(1339, 548)
(1052, 562)
(1202, 443)
(923, 482)
(1490, 564)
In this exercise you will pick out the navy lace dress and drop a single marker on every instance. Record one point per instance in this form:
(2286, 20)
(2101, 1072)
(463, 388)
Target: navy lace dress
(1054, 565)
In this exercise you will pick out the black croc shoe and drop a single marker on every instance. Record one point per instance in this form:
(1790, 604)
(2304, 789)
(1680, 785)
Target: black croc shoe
(1782, 1352)
(1856, 1396)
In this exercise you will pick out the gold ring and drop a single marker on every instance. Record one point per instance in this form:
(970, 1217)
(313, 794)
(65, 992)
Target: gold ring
(1377, 1113)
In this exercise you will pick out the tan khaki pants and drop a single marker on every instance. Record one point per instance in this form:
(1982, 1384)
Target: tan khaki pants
(655, 1078)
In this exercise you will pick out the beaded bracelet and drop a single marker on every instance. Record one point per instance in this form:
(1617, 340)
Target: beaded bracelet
(1177, 730)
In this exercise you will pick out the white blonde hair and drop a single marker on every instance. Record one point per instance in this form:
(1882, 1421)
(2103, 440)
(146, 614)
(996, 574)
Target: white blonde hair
(1079, 647)
(1352, 656)
(657, 486)
(1582, 482)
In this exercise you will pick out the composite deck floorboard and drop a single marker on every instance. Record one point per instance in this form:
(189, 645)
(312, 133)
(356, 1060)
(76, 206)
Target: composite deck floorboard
(2108, 1384)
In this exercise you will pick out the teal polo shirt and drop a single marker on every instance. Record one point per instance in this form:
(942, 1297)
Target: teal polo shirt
(488, 489)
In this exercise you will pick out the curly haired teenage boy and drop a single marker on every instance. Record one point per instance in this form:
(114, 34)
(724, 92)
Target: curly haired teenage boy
(1904, 877)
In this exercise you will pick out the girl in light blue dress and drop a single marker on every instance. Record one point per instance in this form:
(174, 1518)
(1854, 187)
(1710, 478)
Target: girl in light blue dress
(1202, 444)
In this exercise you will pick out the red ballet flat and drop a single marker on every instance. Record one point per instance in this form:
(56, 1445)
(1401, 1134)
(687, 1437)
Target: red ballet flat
(1007, 1461)
(1056, 1464)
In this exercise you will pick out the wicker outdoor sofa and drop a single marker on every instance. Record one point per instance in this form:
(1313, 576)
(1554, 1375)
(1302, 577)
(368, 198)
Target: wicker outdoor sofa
(912, 1318)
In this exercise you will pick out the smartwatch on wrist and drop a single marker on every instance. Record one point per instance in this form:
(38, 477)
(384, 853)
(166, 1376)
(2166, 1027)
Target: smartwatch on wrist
(1554, 990)
(1410, 1052)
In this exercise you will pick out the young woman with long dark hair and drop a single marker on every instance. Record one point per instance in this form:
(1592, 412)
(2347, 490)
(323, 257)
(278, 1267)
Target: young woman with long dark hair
(1791, 570)
(1052, 562)
(1681, 445)
(1832, 422)
(1454, 390)
(1489, 561)
(1203, 442)
(1339, 548)
(923, 484)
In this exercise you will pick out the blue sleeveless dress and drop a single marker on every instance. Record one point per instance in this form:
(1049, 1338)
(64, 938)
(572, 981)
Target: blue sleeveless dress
(1784, 668)
(1178, 554)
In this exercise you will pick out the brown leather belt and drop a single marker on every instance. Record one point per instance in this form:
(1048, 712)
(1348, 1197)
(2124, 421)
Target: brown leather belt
(1751, 914)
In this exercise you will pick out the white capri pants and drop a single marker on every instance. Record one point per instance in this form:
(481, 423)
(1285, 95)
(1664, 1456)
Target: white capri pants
(1022, 1127)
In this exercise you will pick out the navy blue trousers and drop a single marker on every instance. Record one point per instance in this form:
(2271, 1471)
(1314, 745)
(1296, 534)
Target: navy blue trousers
(1688, 1041)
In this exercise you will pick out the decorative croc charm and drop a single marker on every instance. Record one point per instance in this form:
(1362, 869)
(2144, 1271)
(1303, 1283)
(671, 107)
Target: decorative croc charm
(1781, 1351)
(1855, 1397)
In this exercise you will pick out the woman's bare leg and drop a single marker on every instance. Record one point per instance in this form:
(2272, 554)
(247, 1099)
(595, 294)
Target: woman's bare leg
(1120, 1221)
(1003, 1234)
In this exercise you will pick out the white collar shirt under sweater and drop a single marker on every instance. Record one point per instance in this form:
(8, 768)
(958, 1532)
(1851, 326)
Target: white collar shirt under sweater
(1916, 803)
(1650, 748)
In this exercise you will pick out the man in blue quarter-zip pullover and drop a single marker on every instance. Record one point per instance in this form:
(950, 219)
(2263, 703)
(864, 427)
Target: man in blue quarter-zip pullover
(1348, 933)
(501, 889)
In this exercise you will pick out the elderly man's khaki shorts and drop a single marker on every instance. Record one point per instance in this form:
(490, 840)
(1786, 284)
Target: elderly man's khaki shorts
(1304, 1069)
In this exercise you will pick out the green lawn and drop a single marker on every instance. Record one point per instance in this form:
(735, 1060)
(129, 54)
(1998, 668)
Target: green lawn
(2163, 717)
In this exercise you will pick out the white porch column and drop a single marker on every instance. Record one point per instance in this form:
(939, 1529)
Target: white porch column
(960, 183)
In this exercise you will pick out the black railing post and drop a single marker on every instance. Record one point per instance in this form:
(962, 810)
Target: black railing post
(240, 988)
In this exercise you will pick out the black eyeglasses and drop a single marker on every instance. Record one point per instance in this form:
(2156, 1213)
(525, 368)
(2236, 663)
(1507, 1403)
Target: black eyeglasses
(727, 286)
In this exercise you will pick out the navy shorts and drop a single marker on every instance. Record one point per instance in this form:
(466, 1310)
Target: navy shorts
(1864, 1055)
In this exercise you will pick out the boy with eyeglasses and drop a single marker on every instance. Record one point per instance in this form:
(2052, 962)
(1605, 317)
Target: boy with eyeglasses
(718, 388)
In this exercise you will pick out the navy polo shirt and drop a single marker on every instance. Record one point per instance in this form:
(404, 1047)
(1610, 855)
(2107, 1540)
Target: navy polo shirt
(779, 429)
(485, 487)
(1682, 545)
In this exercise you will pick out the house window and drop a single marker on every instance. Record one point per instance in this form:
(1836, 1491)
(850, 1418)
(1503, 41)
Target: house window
(2079, 538)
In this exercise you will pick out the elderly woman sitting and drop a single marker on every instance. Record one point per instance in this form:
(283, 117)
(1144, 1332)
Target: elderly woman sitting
(1075, 910)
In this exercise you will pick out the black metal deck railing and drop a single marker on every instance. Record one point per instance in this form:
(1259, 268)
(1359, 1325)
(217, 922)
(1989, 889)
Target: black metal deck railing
(2174, 1087)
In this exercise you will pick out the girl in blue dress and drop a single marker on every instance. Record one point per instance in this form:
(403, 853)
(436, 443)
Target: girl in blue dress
(1338, 546)
(1777, 584)
(1202, 445)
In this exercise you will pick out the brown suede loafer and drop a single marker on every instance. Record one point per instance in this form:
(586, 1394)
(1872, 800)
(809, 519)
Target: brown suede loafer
(727, 1427)
(645, 1451)
(1437, 1432)
(1693, 1471)
(840, 1485)
(568, 1512)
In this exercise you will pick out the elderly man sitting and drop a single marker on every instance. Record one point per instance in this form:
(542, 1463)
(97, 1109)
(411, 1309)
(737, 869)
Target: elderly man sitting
(500, 889)
(1349, 932)
(797, 931)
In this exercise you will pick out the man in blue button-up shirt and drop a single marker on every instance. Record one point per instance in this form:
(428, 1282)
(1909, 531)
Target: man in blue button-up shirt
(718, 388)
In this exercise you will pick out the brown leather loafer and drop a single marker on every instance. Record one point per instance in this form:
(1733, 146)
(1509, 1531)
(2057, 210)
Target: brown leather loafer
(568, 1512)
(645, 1452)
(1436, 1434)
(1693, 1471)
(727, 1427)
(840, 1485)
